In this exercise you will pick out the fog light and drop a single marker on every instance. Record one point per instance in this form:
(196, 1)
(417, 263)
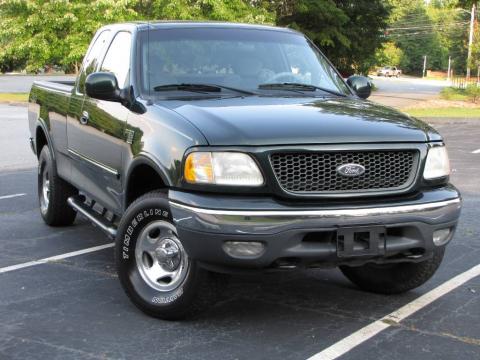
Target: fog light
(441, 237)
(243, 248)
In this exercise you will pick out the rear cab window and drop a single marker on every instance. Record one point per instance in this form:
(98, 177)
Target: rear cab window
(90, 61)
(117, 59)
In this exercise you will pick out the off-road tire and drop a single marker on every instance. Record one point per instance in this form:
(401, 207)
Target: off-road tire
(394, 278)
(198, 291)
(55, 211)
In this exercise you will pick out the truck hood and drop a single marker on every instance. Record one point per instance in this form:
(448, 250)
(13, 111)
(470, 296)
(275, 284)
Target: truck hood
(282, 121)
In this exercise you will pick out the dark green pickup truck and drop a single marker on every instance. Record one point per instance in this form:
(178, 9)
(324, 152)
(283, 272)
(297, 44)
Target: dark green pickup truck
(208, 149)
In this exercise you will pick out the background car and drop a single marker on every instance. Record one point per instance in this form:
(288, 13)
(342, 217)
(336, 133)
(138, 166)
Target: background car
(389, 71)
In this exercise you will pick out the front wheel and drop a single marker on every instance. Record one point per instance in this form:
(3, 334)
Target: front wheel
(153, 266)
(394, 278)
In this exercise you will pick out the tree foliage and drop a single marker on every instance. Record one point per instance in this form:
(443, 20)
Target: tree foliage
(38, 34)
(354, 34)
(389, 54)
(349, 32)
(46, 33)
(438, 30)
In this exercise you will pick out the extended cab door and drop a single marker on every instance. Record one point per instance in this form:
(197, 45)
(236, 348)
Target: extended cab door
(96, 136)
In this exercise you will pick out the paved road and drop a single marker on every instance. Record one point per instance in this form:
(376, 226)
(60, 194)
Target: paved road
(75, 308)
(23, 83)
(15, 152)
(404, 92)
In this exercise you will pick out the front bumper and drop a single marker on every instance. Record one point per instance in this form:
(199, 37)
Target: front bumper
(305, 235)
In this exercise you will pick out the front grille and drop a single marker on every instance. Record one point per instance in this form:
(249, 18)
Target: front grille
(316, 172)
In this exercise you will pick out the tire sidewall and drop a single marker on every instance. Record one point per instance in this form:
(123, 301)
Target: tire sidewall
(45, 163)
(135, 219)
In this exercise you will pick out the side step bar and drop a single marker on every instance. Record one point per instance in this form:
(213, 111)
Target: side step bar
(77, 204)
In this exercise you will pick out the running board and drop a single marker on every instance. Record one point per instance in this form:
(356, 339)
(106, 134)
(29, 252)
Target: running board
(77, 204)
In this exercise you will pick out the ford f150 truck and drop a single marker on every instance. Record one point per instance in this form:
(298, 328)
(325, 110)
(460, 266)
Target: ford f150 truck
(208, 149)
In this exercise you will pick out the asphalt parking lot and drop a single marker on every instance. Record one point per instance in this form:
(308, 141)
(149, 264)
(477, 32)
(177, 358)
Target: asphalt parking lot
(74, 308)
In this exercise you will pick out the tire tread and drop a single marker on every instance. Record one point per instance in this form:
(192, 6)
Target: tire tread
(396, 278)
(59, 213)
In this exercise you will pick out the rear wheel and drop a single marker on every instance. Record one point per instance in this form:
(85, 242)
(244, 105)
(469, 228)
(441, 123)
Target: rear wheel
(53, 192)
(393, 278)
(153, 266)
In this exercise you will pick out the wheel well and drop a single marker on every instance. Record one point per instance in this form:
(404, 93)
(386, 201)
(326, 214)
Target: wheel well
(40, 140)
(142, 179)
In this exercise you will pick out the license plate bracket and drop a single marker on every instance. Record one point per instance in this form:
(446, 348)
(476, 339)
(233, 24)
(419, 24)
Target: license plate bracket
(361, 241)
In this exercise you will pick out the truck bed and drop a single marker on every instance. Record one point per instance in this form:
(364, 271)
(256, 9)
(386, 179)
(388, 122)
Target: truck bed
(60, 85)
(49, 102)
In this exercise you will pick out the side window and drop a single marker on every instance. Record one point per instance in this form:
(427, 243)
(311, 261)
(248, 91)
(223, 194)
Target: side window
(91, 59)
(117, 59)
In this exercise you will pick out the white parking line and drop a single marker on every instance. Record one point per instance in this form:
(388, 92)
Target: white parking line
(55, 258)
(11, 196)
(476, 151)
(346, 344)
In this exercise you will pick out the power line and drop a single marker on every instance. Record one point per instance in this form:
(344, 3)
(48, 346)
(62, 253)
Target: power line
(432, 26)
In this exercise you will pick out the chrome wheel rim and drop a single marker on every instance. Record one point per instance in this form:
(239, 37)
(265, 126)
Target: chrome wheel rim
(161, 259)
(45, 192)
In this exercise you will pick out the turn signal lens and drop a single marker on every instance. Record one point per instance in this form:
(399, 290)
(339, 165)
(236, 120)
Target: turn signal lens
(198, 168)
(222, 168)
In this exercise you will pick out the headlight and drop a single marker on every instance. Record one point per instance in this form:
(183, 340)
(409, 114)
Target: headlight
(222, 168)
(437, 164)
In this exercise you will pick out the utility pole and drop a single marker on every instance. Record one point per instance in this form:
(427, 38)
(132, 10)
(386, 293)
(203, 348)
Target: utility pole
(424, 65)
(470, 40)
(449, 67)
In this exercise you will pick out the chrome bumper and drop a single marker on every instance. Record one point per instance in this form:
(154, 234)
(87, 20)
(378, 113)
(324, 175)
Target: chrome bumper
(274, 221)
(206, 222)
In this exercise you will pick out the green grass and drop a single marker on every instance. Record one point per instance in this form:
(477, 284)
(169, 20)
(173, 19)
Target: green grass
(448, 112)
(13, 97)
(451, 93)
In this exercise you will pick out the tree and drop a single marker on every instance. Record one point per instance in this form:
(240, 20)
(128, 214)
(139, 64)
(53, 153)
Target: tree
(227, 10)
(45, 33)
(348, 31)
(39, 34)
(438, 30)
(389, 54)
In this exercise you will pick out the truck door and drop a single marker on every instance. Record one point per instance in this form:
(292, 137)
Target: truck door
(96, 137)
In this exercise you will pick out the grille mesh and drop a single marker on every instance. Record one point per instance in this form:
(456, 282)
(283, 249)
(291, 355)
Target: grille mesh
(316, 171)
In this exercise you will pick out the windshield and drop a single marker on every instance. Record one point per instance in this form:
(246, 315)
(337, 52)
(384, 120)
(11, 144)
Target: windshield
(233, 58)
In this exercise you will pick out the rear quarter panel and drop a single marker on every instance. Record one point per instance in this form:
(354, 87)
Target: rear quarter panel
(48, 109)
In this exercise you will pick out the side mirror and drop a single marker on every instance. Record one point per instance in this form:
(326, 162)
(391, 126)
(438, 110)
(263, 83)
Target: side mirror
(361, 85)
(102, 86)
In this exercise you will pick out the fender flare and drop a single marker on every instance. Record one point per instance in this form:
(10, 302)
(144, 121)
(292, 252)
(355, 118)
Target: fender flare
(40, 123)
(145, 159)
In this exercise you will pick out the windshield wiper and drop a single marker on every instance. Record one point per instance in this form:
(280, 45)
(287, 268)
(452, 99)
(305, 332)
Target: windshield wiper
(298, 87)
(203, 88)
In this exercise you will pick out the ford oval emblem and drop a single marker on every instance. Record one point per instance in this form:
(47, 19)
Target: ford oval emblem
(351, 170)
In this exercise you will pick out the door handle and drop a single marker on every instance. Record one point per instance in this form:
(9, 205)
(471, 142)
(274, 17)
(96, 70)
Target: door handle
(84, 118)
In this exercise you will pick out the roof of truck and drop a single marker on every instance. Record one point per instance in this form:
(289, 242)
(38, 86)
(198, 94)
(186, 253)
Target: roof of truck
(171, 24)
